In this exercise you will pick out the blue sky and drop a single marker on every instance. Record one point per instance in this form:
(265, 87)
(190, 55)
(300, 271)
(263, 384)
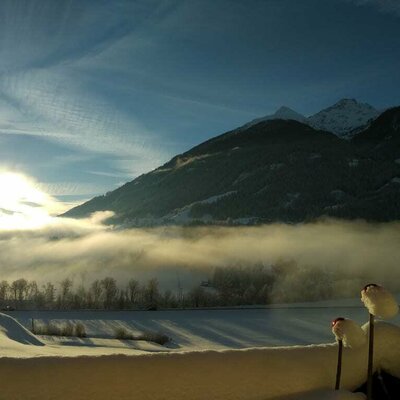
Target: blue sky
(94, 93)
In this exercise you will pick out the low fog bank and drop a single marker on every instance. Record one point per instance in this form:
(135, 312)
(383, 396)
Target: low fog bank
(349, 253)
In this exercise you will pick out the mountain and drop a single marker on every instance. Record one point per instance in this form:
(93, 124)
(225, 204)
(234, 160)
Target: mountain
(382, 138)
(274, 170)
(283, 112)
(345, 117)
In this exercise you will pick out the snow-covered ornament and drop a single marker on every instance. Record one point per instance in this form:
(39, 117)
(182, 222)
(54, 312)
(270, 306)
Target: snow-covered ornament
(347, 334)
(379, 302)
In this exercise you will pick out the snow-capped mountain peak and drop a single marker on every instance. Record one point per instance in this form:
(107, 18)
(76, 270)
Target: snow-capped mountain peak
(283, 112)
(287, 113)
(343, 117)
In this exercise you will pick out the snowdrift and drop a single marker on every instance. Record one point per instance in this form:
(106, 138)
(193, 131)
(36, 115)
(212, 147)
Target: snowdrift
(12, 330)
(251, 374)
(294, 372)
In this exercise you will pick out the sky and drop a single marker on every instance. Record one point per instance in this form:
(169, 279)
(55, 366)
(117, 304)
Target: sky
(95, 93)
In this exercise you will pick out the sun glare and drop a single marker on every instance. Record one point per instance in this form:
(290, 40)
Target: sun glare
(22, 204)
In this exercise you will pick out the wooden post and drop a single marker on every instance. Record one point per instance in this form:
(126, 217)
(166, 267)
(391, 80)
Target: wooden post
(339, 365)
(370, 356)
(32, 325)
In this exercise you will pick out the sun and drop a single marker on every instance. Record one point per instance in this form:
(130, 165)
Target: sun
(22, 204)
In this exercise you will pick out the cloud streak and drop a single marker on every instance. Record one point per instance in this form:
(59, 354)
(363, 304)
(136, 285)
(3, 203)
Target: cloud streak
(46, 92)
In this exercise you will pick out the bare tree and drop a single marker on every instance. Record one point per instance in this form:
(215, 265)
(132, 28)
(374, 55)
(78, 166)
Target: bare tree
(32, 291)
(152, 293)
(96, 290)
(197, 296)
(4, 290)
(49, 294)
(110, 291)
(19, 289)
(79, 297)
(133, 291)
(65, 292)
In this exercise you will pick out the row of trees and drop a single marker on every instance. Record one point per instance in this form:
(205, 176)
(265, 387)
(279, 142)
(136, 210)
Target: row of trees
(100, 294)
(233, 286)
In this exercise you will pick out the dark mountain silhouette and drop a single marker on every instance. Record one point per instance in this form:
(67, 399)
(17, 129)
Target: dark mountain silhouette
(274, 170)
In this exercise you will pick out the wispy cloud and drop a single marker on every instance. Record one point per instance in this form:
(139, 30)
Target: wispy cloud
(59, 106)
(55, 107)
(44, 93)
(109, 174)
(71, 188)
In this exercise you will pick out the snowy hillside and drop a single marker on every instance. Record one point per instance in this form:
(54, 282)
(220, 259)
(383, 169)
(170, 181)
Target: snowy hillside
(343, 117)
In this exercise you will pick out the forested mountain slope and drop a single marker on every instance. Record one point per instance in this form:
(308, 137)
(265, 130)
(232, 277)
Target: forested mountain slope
(275, 170)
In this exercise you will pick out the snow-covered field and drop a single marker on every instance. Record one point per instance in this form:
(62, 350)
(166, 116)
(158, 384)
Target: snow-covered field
(215, 354)
(279, 325)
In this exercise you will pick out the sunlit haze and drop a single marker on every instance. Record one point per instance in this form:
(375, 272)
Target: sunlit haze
(23, 205)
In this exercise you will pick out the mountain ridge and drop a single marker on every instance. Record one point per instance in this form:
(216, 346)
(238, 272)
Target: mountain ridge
(345, 118)
(283, 112)
(275, 170)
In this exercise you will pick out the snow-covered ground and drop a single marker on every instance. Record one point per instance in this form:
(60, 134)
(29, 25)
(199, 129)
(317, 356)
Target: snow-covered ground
(278, 325)
(216, 354)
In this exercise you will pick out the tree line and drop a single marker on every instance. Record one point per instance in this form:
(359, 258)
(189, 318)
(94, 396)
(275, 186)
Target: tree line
(100, 294)
(227, 286)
